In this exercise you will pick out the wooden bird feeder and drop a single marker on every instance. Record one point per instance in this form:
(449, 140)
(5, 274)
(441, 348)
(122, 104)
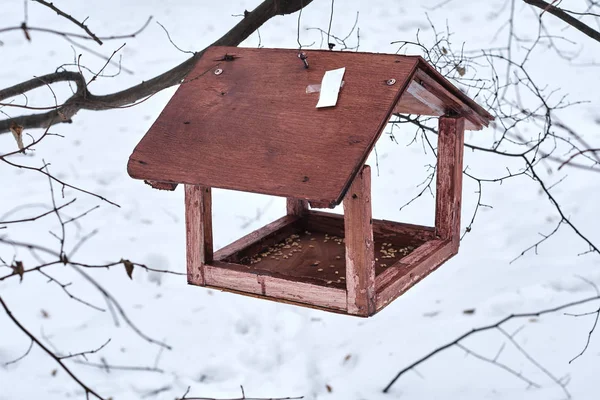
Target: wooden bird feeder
(245, 119)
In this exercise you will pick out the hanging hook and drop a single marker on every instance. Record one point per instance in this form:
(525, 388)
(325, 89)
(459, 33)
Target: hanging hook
(302, 55)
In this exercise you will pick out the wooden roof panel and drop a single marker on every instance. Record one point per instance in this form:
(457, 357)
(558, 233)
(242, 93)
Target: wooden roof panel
(253, 126)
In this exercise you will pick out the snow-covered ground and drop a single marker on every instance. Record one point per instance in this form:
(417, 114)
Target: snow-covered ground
(220, 340)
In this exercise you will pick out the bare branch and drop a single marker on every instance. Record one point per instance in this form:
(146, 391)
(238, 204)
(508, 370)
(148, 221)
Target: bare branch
(560, 13)
(486, 328)
(83, 100)
(495, 362)
(20, 357)
(86, 388)
(70, 18)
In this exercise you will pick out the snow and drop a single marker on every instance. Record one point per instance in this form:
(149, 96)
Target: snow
(221, 341)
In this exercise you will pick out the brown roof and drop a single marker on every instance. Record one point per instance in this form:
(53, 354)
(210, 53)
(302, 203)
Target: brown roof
(253, 127)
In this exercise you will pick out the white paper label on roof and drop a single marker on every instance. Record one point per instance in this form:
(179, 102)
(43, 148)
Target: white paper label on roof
(316, 88)
(330, 87)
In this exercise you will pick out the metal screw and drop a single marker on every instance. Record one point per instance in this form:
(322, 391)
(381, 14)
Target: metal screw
(390, 82)
(218, 71)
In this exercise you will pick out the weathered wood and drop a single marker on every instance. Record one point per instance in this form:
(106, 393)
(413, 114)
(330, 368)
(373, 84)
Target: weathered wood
(452, 99)
(223, 276)
(198, 224)
(449, 178)
(438, 252)
(296, 206)
(419, 101)
(278, 143)
(322, 204)
(308, 258)
(400, 267)
(360, 259)
(229, 277)
(161, 185)
(253, 237)
(305, 293)
(334, 223)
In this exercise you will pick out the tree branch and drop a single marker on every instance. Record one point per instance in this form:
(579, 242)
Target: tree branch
(562, 14)
(496, 325)
(87, 389)
(70, 18)
(83, 100)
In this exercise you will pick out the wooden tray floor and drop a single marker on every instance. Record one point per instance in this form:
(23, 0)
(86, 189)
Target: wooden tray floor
(312, 250)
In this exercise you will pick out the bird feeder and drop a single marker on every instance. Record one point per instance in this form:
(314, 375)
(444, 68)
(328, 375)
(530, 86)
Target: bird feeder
(301, 126)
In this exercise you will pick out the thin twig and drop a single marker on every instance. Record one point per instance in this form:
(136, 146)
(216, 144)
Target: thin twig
(70, 18)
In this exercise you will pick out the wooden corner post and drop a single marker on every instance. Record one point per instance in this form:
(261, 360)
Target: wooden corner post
(296, 206)
(449, 178)
(198, 226)
(360, 258)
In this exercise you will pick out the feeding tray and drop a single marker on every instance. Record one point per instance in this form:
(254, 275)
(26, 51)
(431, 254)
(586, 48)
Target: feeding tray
(245, 119)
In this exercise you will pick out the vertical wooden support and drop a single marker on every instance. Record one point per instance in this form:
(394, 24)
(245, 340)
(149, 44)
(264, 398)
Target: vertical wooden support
(198, 226)
(360, 259)
(449, 178)
(296, 206)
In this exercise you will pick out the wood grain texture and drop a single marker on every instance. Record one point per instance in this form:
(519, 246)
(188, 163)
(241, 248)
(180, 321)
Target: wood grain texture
(229, 277)
(223, 277)
(161, 185)
(334, 223)
(257, 113)
(433, 254)
(254, 128)
(312, 250)
(449, 177)
(297, 256)
(360, 258)
(198, 225)
(453, 98)
(400, 268)
(296, 206)
(419, 101)
(327, 297)
(253, 237)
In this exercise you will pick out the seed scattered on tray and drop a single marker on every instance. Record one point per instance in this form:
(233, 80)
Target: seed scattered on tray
(337, 272)
(332, 266)
(338, 257)
(320, 269)
(312, 239)
(316, 263)
(329, 282)
(311, 246)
